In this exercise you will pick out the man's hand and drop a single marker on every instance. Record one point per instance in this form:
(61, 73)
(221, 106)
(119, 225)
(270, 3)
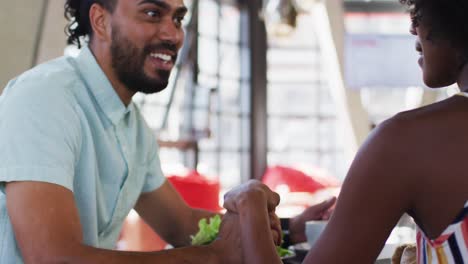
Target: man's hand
(257, 196)
(251, 194)
(321, 211)
(275, 226)
(228, 245)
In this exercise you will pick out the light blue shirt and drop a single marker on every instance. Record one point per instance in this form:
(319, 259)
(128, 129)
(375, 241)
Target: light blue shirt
(63, 123)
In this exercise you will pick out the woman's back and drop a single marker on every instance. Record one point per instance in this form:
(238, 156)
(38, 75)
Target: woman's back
(437, 138)
(442, 193)
(413, 163)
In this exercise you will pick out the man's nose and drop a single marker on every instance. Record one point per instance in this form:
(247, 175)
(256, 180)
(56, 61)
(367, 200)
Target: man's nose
(171, 33)
(412, 30)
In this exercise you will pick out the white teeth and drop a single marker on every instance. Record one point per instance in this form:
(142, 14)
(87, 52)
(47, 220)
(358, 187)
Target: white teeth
(164, 57)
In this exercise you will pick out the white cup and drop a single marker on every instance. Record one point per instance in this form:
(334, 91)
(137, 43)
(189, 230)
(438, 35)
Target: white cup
(313, 229)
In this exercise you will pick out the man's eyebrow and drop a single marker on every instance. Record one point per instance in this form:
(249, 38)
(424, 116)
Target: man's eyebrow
(162, 4)
(181, 10)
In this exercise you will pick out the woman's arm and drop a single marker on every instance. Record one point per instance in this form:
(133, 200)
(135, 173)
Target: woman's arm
(377, 191)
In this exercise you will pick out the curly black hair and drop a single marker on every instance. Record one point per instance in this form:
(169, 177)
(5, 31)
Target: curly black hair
(446, 19)
(77, 14)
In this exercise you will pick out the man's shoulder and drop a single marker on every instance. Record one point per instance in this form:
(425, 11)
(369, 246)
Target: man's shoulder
(55, 72)
(51, 79)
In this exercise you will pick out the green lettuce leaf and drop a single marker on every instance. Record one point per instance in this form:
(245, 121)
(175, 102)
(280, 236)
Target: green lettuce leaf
(208, 231)
(283, 252)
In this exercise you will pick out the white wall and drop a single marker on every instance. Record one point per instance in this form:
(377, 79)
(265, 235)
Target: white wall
(329, 16)
(22, 43)
(19, 21)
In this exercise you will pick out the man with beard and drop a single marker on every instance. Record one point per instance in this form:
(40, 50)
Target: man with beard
(76, 155)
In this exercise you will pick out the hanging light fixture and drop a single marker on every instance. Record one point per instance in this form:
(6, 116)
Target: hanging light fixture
(304, 6)
(280, 17)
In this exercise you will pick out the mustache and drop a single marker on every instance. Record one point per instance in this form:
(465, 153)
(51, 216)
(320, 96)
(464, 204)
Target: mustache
(162, 46)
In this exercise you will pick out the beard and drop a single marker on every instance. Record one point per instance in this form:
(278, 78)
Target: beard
(128, 62)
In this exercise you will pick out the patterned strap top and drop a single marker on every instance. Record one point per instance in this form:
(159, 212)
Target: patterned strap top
(450, 247)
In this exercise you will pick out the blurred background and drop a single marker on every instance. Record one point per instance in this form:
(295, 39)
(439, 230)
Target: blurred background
(283, 91)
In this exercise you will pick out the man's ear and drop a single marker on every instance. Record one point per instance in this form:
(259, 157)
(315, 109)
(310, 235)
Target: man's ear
(100, 21)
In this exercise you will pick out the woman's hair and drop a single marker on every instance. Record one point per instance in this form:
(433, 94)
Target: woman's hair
(446, 19)
(77, 14)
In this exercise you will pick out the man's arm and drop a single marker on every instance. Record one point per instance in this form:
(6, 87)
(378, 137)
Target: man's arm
(168, 214)
(48, 230)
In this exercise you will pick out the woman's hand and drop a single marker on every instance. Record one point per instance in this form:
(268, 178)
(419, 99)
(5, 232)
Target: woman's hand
(321, 211)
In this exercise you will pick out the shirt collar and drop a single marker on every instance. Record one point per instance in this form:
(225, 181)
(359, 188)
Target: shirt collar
(101, 88)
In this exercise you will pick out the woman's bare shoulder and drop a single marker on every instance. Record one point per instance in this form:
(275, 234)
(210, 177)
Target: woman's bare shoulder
(404, 144)
(452, 105)
(425, 123)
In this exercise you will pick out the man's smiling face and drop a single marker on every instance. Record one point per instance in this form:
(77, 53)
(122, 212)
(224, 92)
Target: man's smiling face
(146, 36)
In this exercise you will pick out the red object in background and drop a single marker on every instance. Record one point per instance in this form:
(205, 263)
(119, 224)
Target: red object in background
(197, 190)
(296, 180)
